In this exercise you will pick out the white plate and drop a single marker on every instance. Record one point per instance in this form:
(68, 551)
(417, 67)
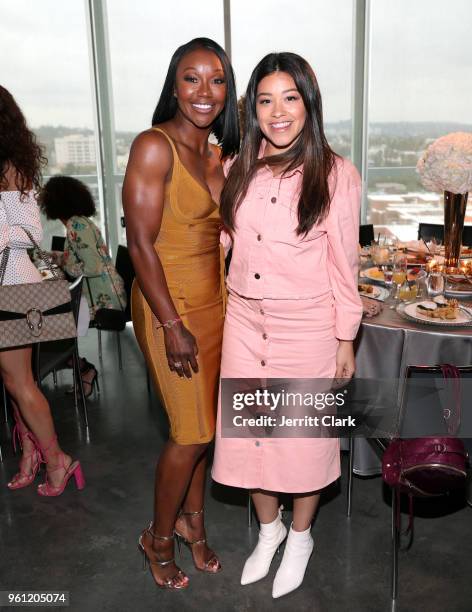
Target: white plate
(408, 311)
(379, 293)
(368, 274)
(457, 293)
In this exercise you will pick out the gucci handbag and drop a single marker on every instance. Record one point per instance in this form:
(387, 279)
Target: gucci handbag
(34, 312)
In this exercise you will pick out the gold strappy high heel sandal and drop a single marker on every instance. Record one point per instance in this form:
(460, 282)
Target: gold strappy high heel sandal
(176, 582)
(213, 565)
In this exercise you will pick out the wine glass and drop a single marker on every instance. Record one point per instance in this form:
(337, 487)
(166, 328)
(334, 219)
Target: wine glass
(398, 276)
(399, 268)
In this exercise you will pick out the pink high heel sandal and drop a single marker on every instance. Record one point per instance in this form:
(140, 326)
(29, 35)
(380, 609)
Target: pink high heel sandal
(22, 479)
(46, 489)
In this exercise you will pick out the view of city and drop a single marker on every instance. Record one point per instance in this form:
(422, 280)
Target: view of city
(396, 200)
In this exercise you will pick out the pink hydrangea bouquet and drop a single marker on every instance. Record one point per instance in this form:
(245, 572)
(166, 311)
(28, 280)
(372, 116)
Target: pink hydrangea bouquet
(446, 165)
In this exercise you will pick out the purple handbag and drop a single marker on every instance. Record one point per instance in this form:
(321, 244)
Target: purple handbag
(428, 467)
(432, 466)
(425, 467)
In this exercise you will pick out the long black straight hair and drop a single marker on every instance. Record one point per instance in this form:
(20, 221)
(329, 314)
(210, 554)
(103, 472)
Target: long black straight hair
(226, 126)
(310, 149)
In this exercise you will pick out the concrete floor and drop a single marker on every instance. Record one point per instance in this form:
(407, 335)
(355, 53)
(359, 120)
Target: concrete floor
(85, 542)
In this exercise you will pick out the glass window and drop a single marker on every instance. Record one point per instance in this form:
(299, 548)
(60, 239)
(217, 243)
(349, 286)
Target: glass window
(319, 31)
(47, 70)
(142, 39)
(45, 65)
(419, 90)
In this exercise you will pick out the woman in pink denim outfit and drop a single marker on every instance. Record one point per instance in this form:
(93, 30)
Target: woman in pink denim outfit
(291, 209)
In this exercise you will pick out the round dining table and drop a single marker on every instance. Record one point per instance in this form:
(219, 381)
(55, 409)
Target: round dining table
(386, 345)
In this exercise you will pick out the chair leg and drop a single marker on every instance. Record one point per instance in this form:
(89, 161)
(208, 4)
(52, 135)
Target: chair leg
(350, 476)
(99, 344)
(395, 541)
(249, 510)
(120, 360)
(80, 384)
(37, 364)
(5, 407)
(75, 377)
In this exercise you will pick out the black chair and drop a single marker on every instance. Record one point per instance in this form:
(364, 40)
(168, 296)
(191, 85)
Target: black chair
(467, 235)
(57, 243)
(366, 234)
(51, 356)
(433, 230)
(428, 231)
(124, 267)
(420, 415)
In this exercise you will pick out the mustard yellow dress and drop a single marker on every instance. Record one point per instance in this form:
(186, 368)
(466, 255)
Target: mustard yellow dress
(188, 245)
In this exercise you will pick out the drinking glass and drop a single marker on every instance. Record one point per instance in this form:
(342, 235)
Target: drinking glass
(421, 284)
(387, 269)
(408, 291)
(399, 269)
(379, 254)
(398, 277)
(435, 283)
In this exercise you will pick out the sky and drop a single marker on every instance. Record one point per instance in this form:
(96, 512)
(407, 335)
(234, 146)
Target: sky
(421, 54)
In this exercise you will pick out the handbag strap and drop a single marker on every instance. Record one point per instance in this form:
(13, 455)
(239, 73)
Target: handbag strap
(90, 292)
(3, 263)
(41, 253)
(452, 416)
(398, 518)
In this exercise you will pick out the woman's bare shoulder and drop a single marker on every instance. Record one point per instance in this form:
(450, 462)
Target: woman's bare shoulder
(150, 150)
(152, 142)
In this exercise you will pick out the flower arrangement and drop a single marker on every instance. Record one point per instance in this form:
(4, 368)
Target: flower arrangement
(446, 165)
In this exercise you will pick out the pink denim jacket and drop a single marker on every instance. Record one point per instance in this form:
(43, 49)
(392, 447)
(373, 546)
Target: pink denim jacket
(270, 261)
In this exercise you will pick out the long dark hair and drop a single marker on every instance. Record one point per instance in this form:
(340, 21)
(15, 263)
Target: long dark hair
(311, 148)
(63, 197)
(226, 126)
(18, 146)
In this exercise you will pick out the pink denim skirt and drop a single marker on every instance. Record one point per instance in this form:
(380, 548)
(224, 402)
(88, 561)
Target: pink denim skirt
(272, 338)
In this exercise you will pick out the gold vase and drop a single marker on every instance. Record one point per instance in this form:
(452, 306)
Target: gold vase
(454, 213)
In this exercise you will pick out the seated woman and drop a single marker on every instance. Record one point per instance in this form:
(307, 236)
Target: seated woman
(85, 252)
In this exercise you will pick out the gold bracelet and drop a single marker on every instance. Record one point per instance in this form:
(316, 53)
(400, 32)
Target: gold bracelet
(170, 323)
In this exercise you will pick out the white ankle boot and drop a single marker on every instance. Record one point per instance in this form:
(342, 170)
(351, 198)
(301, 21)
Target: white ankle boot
(297, 553)
(271, 536)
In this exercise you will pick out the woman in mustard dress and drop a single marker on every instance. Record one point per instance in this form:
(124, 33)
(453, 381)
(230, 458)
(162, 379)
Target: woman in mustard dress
(170, 198)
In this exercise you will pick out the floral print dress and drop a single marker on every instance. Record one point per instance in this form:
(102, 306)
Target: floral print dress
(86, 253)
